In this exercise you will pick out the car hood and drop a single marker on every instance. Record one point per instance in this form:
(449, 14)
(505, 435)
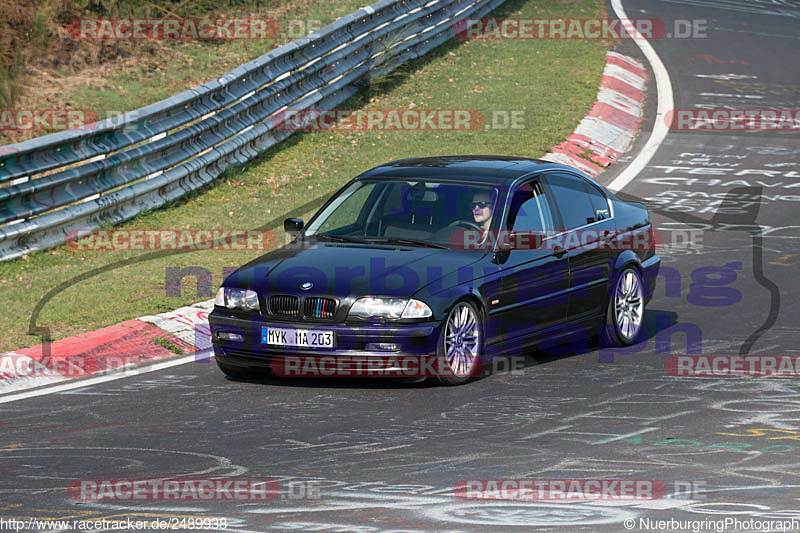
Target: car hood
(343, 269)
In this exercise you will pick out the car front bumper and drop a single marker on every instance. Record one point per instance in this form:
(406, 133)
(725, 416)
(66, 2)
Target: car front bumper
(412, 339)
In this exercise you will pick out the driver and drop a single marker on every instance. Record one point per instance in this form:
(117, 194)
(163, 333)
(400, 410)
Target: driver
(482, 212)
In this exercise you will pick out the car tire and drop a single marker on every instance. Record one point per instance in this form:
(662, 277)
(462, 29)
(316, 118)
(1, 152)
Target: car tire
(238, 372)
(625, 311)
(460, 345)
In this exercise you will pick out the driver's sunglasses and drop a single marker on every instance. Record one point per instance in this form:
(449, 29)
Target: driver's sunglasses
(481, 205)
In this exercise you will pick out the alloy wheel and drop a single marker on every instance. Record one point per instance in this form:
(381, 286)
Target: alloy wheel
(628, 304)
(462, 339)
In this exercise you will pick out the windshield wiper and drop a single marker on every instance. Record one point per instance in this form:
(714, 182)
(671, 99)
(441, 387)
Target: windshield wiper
(339, 238)
(380, 240)
(411, 242)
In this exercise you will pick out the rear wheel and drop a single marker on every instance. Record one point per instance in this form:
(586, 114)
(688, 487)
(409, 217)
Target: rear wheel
(625, 310)
(461, 345)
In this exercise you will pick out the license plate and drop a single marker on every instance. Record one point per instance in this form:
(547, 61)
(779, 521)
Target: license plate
(305, 338)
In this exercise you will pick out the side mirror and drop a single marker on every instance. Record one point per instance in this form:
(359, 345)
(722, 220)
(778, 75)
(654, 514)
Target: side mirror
(521, 240)
(516, 240)
(292, 225)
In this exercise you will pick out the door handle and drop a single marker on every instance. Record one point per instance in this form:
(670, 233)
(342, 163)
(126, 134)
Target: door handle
(559, 252)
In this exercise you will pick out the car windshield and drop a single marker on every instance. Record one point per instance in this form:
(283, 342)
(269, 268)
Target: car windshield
(422, 212)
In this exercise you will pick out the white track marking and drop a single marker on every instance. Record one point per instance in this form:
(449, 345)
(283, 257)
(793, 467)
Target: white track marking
(626, 436)
(665, 104)
(80, 383)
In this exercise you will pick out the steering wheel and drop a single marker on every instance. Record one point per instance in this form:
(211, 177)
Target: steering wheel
(466, 223)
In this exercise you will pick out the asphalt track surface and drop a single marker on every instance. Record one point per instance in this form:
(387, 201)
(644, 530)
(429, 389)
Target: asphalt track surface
(385, 455)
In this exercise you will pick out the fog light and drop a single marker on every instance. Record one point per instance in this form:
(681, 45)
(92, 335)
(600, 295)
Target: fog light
(225, 336)
(382, 347)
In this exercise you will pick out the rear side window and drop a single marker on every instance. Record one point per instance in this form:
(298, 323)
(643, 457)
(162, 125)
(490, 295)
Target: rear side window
(573, 201)
(529, 210)
(599, 202)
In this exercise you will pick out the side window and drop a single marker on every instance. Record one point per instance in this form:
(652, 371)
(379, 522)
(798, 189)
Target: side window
(572, 200)
(529, 210)
(599, 202)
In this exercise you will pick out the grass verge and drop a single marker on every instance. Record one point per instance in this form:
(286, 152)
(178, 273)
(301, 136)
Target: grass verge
(553, 82)
(169, 345)
(45, 68)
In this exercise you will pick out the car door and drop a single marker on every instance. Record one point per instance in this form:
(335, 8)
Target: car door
(531, 292)
(588, 227)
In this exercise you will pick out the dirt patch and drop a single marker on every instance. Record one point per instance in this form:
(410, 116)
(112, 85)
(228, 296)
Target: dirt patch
(41, 64)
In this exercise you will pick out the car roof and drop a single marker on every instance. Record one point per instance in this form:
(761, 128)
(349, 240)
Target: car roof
(483, 168)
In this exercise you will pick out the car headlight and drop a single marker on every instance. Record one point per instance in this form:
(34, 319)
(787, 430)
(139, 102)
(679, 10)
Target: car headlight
(369, 307)
(417, 309)
(237, 299)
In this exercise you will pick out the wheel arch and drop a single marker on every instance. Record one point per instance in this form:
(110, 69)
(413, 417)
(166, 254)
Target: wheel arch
(625, 259)
(473, 296)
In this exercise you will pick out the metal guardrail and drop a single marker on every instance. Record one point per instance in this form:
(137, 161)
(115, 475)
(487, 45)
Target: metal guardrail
(54, 185)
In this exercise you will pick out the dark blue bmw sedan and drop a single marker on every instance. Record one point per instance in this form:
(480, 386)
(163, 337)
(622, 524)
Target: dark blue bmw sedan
(451, 260)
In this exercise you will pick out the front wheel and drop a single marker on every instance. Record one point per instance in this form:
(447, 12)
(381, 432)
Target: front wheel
(460, 345)
(625, 310)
